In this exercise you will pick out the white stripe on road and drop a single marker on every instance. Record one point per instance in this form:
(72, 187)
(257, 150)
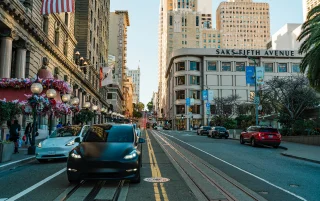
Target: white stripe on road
(3, 199)
(278, 187)
(1, 166)
(31, 188)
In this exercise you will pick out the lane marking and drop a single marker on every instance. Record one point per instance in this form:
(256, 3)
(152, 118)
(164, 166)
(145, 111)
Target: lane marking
(1, 166)
(31, 188)
(155, 170)
(261, 179)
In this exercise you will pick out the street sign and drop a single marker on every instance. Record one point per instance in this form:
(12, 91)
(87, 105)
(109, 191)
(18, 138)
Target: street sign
(256, 100)
(205, 95)
(250, 72)
(207, 105)
(188, 101)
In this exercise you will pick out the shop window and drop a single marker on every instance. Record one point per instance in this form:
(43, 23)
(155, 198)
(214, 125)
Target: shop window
(226, 66)
(194, 66)
(240, 66)
(180, 66)
(212, 66)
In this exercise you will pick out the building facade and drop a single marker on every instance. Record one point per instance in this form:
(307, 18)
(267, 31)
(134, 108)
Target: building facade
(128, 96)
(190, 71)
(307, 6)
(119, 21)
(27, 37)
(135, 75)
(286, 38)
(243, 24)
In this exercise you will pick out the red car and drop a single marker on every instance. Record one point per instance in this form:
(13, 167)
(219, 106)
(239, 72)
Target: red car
(258, 135)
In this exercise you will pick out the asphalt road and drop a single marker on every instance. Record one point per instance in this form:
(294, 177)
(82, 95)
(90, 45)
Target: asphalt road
(262, 169)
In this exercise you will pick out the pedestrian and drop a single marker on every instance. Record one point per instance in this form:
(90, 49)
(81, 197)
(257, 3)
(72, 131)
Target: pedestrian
(59, 125)
(15, 129)
(68, 124)
(27, 133)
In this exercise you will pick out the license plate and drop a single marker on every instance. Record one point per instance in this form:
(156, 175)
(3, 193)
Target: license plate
(51, 152)
(270, 136)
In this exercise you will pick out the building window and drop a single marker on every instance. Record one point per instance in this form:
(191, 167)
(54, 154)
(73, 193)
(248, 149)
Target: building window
(268, 67)
(194, 94)
(194, 65)
(240, 66)
(197, 21)
(282, 67)
(66, 19)
(45, 24)
(180, 80)
(195, 109)
(171, 20)
(91, 17)
(296, 68)
(197, 37)
(194, 80)
(180, 66)
(90, 36)
(180, 109)
(181, 94)
(226, 66)
(212, 66)
(65, 48)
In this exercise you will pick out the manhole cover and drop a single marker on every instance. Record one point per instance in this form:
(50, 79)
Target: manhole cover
(294, 185)
(264, 192)
(156, 179)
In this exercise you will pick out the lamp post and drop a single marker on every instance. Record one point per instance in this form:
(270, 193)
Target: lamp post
(86, 106)
(65, 98)
(36, 89)
(51, 94)
(94, 108)
(74, 102)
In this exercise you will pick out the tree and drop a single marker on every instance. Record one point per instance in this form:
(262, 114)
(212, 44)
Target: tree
(226, 106)
(140, 106)
(137, 114)
(291, 96)
(150, 106)
(84, 116)
(311, 47)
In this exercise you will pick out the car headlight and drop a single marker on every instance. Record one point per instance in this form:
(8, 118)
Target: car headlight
(74, 154)
(39, 145)
(70, 143)
(132, 155)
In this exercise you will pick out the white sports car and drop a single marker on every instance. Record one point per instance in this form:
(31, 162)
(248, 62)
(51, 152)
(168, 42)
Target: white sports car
(60, 143)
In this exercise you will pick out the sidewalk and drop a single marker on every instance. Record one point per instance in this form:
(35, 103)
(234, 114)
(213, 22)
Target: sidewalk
(302, 151)
(23, 157)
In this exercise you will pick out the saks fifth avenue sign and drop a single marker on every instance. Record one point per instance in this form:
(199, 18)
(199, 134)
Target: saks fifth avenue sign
(257, 53)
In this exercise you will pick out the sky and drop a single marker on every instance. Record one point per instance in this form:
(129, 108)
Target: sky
(143, 34)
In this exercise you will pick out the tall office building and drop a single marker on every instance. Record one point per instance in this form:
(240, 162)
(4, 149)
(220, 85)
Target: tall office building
(308, 5)
(135, 74)
(243, 24)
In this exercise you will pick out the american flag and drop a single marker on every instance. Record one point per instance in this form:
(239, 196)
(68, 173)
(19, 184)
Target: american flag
(57, 6)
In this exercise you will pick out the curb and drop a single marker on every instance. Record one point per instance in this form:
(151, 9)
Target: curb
(300, 158)
(281, 147)
(16, 163)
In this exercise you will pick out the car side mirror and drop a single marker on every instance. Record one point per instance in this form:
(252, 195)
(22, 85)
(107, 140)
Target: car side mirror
(77, 140)
(141, 140)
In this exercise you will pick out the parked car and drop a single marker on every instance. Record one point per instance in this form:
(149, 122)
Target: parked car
(203, 130)
(219, 131)
(60, 143)
(106, 152)
(257, 135)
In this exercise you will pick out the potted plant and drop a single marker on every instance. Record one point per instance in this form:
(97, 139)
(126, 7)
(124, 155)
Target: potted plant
(6, 150)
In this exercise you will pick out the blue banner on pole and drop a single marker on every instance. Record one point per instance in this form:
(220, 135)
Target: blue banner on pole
(208, 105)
(188, 101)
(250, 71)
(205, 95)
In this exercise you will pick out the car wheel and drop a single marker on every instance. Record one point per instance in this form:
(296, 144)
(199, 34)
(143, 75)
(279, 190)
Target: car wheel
(275, 146)
(137, 179)
(241, 140)
(253, 142)
(42, 160)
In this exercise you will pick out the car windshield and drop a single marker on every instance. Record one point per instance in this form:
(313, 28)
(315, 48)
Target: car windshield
(220, 129)
(207, 128)
(110, 133)
(66, 132)
(269, 130)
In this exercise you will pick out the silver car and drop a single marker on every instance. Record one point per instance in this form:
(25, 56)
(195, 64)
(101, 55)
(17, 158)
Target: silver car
(60, 143)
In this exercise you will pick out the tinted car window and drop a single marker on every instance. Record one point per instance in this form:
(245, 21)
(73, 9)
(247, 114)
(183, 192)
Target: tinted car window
(66, 132)
(220, 129)
(270, 130)
(111, 133)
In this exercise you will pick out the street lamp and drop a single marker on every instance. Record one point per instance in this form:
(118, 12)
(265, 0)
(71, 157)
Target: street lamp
(94, 108)
(65, 98)
(86, 105)
(51, 94)
(36, 89)
(74, 102)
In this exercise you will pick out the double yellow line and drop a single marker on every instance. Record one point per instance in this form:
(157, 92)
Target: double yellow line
(155, 173)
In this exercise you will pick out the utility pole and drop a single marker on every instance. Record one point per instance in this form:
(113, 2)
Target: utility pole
(255, 90)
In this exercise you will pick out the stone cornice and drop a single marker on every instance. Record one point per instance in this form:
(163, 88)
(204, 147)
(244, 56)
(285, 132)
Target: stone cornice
(21, 17)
